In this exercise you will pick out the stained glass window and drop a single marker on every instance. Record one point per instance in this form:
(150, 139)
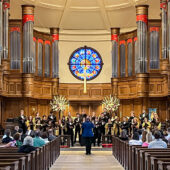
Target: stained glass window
(85, 61)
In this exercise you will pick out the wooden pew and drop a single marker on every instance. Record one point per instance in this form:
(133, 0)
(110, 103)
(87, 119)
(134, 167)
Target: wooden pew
(13, 165)
(5, 168)
(155, 159)
(163, 165)
(41, 159)
(158, 155)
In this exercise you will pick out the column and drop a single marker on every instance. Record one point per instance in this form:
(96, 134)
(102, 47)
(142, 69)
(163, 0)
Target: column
(1, 30)
(114, 38)
(55, 52)
(6, 6)
(163, 6)
(28, 24)
(142, 21)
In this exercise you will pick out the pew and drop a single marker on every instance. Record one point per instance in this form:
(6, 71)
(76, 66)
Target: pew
(163, 165)
(148, 156)
(136, 157)
(155, 159)
(41, 159)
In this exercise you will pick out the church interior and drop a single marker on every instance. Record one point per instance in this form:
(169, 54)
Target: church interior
(85, 52)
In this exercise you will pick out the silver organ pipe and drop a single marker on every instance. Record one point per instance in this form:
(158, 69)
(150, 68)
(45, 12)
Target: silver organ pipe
(163, 6)
(40, 57)
(136, 55)
(169, 29)
(28, 23)
(1, 30)
(55, 52)
(47, 58)
(34, 54)
(114, 38)
(122, 59)
(6, 6)
(130, 66)
(142, 20)
(15, 47)
(154, 47)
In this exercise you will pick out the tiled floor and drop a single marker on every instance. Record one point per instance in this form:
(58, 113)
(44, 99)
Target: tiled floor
(77, 160)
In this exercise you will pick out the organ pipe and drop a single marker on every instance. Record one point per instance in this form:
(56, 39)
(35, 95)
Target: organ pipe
(6, 6)
(1, 30)
(114, 38)
(130, 66)
(142, 21)
(28, 50)
(163, 6)
(169, 29)
(55, 52)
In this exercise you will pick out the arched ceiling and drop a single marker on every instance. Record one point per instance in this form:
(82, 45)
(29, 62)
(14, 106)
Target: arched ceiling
(85, 14)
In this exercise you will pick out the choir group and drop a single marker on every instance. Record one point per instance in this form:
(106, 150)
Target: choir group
(105, 124)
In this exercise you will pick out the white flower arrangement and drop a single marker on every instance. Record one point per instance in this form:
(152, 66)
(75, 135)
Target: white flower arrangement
(59, 103)
(111, 103)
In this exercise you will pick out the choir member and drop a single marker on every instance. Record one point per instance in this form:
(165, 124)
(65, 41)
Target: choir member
(142, 116)
(37, 117)
(22, 121)
(52, 117)
(125, 125)
(70, 127)
(44, 123)
(146, 124)
(77, 123)
(30, 123)
(38, 125)
(135, 125)
(116, 127)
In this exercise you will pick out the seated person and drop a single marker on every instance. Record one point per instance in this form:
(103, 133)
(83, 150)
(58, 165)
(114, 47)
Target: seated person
(148, 139)
(27, 146)
(37, 140)
(45, 137)
(168, 136)
(135, 140)
(123, 135)
(15, 143)
(7, 137)
(51, 136)
(158, 142)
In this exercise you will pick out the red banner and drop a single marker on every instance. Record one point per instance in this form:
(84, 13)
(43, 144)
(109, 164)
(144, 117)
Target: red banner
(27, 18)
(143, 18)
(122, 42)
(6, 5)
(40, 41)
(15, 29)
(163, 5)
(114, 37)
(34, 39)
(136, 38)
(129, 41)
(47, 42)
(154, 29)
(55, 37)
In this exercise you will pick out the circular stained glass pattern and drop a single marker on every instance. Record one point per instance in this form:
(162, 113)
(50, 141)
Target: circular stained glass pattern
(85, 62)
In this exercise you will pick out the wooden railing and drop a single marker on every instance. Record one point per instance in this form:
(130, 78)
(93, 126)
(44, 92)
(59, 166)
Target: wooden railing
(140, 158)
(41, 159)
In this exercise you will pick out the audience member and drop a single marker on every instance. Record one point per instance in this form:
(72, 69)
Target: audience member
(123, 135)
(37, 140)
(45, 137)
(7, 137)
(51, 136)
(135, 140)
(168, 136)
(27, 146)
(158, 142)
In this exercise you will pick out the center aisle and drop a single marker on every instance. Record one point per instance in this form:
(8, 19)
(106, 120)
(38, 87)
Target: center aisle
(77, 160)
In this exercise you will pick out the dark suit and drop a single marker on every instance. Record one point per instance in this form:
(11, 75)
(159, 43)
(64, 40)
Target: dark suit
(142, 117)
(22, 125)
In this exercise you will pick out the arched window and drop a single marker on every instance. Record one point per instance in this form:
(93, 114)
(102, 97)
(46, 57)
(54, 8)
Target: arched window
(85, 58)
